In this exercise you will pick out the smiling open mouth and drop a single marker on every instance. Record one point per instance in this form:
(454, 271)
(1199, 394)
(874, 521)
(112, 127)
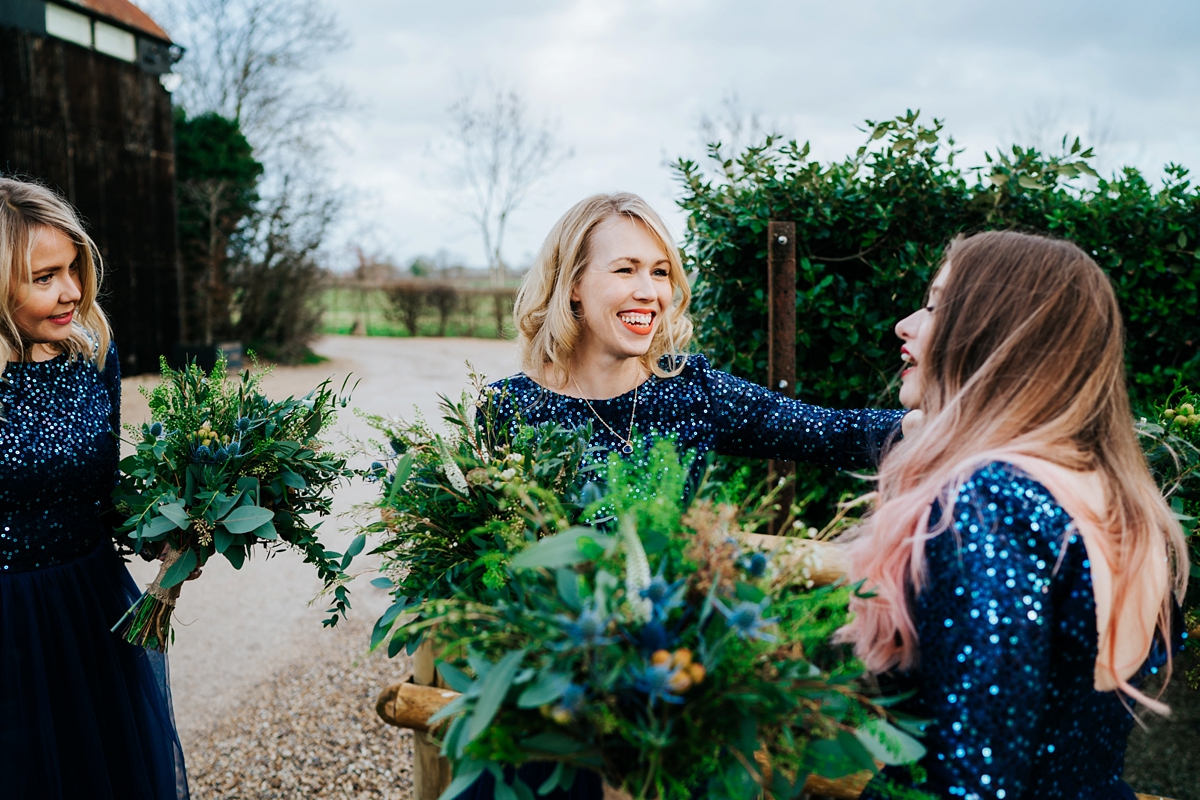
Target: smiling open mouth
(640, 322)
(62, 319)
(910, 363)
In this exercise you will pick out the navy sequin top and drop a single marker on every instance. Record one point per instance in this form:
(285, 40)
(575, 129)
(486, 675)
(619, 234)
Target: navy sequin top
(58, 459)
(1008, 648)
(712, 411)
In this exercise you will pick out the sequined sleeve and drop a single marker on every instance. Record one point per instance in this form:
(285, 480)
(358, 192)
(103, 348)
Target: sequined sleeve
(111, 378)
(986, 621)
(760, 423)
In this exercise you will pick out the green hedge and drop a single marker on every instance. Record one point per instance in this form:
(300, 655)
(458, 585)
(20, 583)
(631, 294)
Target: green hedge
(870, 230)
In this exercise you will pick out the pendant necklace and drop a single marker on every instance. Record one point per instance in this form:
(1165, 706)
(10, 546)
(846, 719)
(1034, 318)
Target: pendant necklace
(627, 447)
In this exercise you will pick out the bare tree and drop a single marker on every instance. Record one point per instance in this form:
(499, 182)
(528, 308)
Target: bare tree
(501, 155)
(732, 127)
(260, 62)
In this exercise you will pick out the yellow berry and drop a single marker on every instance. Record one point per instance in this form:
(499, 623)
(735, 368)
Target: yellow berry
(1169, 414)
(697, 672)
(1187, 408)
(680, 683)
(682, 657)
(660, 657)
(561, 716)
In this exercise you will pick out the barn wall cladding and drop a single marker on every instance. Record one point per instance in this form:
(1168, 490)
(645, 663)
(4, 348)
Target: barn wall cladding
(90, 118)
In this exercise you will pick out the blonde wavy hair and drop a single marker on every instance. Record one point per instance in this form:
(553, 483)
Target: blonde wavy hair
(548, 327)
(26, 211)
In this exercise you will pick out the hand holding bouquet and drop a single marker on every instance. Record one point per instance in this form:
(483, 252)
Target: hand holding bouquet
(219, 469)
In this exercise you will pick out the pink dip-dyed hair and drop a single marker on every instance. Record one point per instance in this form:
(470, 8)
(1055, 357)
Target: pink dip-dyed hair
(1025, 364)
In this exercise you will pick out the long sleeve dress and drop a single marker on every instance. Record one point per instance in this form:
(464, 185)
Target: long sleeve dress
(1007, 628)
(706, 410)
(82, 714)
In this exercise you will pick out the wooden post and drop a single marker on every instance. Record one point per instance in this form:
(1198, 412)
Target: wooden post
(781, 338)
(431, 772)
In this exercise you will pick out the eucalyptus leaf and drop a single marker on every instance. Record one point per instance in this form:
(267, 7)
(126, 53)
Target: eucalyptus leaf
(245, 519)
(495, 687)
(548, 687)
(887, 743)
(560, 550)
(177, 573)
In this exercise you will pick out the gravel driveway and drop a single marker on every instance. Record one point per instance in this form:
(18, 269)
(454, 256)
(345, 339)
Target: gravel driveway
(269, 704)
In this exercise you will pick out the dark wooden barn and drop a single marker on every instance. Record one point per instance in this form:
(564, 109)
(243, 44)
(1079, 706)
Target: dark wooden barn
(83, 109)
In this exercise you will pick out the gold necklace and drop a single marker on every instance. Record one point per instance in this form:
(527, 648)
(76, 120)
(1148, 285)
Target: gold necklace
(627, 448)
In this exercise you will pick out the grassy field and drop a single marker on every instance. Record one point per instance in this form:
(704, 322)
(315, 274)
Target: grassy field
(474, 317)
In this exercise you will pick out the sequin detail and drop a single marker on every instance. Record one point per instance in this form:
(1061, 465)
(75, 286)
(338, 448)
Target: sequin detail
(58, 459)
(1008, 648)
(707, 410)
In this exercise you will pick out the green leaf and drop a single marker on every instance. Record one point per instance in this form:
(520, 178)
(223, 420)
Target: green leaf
(354, 549)
(889, 744)
(567, 582)
(245, 519)
(495, 687)
(293, 480)
(455, 678)
(751, 594)
(468, 774)
(236, 555)
(548, 687)
(222, 539)
(1030, 183)
(158, 527)
(855, 751)
(177, 573)
(266, 531)
(403, 470)
(384, 583)
(560, 550)
(553, 742)
(176, 513)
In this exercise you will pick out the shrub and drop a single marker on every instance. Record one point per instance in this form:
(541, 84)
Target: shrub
(405, 302)
(870, 230)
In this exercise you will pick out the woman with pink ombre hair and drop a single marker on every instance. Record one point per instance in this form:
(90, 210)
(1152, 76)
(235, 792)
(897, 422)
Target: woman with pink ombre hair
(1020, 567)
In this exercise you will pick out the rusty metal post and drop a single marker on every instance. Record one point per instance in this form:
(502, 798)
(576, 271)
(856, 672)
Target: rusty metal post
(781, 327)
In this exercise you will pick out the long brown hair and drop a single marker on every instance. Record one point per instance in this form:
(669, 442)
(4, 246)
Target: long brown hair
(1025, 359)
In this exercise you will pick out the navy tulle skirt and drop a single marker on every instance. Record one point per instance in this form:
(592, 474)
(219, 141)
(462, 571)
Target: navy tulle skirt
(82, 714)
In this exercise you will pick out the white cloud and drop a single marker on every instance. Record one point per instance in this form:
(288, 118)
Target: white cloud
(626, 81)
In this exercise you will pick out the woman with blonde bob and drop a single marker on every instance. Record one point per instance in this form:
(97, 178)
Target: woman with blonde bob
(603, 329)
(1020, 567)
(82, 714)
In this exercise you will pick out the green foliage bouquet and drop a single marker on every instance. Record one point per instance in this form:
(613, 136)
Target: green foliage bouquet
(1170, 438)
(456, 506)
(656, 650)
(219, 469)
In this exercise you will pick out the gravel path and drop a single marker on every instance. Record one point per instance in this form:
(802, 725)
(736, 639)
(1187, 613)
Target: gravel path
(268, 703)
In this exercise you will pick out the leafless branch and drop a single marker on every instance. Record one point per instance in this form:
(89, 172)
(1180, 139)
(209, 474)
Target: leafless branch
(501, 156)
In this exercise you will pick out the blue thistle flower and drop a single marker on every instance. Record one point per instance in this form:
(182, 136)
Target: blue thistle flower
(156, 430)
(233, 449)
(377, 471)
(746, 619)
(203, 455)
(586, 630)
(656, 682)
(756, 565)
(243, 425)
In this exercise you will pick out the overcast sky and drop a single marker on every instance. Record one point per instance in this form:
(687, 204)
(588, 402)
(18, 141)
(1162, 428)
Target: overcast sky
(625, 83)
